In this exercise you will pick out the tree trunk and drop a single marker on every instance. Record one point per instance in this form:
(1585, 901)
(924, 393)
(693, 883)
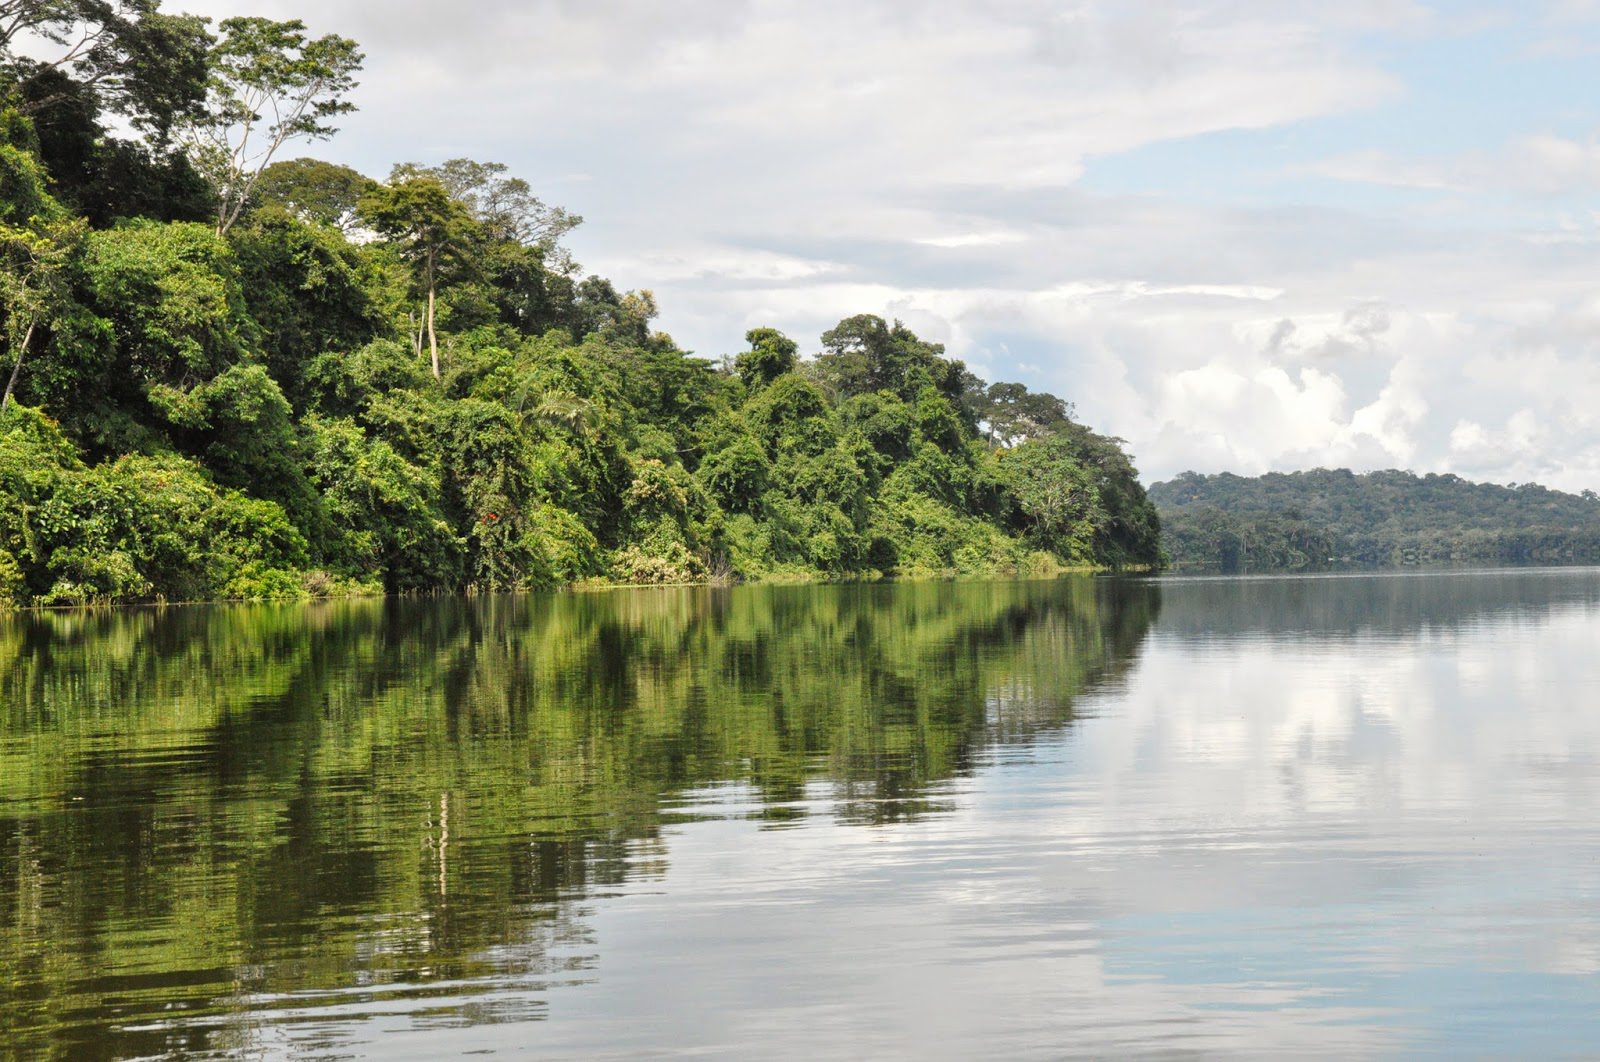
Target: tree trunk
(16, 370)
(433, 338)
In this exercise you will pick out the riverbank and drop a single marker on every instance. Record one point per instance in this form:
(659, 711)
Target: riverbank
(360, 592)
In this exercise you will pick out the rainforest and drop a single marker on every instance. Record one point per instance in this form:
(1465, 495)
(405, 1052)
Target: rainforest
(233, 374)
(1333, 519)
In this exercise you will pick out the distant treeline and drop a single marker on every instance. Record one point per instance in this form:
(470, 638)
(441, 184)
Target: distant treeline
(1326, 519)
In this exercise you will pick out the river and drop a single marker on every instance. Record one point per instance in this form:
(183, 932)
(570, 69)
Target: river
(1346, 815)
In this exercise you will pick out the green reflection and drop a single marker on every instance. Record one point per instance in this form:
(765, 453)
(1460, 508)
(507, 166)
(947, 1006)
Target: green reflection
(367, 803)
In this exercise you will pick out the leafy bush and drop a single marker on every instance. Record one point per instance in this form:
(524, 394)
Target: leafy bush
(670, 563)
(13, 587)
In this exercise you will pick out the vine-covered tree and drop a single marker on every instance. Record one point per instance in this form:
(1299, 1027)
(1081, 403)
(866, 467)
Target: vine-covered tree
(771, 354)
(32, 260)
(37, 241)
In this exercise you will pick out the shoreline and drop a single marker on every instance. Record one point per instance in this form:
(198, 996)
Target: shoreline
(599, 586)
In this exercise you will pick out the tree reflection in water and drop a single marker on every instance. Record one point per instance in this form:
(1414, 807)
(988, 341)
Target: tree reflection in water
(395, 806)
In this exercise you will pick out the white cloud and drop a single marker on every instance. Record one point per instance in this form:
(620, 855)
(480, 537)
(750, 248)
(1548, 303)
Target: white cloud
(1380, 167)
(788, 163)
(1540, 164)
(973, 239)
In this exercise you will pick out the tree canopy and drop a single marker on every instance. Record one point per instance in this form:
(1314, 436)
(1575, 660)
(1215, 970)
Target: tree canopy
(269, 83)
(233, 375)
(1331, 518)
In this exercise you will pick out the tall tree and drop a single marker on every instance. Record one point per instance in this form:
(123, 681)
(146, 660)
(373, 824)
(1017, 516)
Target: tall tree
(1011, 413)
(132, 59)
(430, 225)
(505, 206)
(270, 84)
(865, 353)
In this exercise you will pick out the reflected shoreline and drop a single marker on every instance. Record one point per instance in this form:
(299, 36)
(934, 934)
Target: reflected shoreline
(1196, 814)
(465, 768)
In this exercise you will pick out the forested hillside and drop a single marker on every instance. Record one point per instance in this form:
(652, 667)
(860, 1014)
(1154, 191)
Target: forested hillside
(1335, 518)
(232, 374)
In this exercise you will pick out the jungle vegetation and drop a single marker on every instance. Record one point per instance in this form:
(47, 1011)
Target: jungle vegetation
(233, 373)
(1328, 519)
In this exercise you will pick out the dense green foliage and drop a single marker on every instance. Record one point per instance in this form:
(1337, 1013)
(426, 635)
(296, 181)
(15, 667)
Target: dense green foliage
(1335, 518)
(234, 379)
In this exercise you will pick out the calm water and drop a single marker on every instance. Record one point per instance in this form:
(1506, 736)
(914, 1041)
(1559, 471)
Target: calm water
(1349, 815)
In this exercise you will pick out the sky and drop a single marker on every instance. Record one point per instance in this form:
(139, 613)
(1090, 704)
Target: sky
(1243, 235)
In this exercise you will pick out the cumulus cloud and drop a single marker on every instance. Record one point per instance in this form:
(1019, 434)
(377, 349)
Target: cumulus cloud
(787, 163)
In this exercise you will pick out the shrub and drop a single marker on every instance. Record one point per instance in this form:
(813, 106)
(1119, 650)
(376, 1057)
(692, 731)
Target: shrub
(13, 587)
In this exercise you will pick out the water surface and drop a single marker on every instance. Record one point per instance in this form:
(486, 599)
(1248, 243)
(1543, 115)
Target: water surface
(1339, 815)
